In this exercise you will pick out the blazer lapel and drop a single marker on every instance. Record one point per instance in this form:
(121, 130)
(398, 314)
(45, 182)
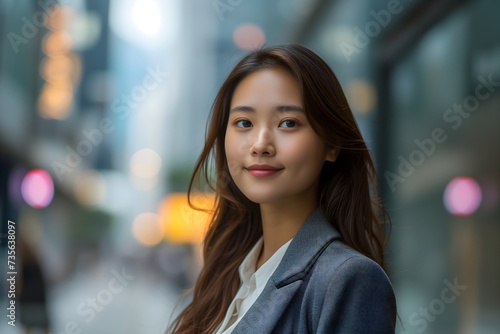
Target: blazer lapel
(312, 238)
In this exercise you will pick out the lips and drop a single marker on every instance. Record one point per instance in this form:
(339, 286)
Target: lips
(263, 167)
(263, 170)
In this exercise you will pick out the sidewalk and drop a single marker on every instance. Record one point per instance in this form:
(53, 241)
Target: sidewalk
(109, 300)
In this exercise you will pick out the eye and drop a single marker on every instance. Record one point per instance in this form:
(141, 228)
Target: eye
(288, 123)
(243, 123)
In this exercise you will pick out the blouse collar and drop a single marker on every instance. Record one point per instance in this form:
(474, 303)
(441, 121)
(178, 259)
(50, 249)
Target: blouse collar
(258, 279)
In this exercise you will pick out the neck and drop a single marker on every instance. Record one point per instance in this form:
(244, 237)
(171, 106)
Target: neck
(280, 223)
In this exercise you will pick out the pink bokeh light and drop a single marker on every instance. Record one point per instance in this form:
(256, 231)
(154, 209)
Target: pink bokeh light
(462, 196)
(249, 36)
(37, 188)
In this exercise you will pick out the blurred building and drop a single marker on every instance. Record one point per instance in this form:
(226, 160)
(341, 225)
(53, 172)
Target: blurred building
(47, 121)
(426, 77)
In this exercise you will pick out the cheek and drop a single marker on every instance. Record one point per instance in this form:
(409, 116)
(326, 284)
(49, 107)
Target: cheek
(305, 160)
(228, 148)
(305, 152)
(234, 152)
(237, 144)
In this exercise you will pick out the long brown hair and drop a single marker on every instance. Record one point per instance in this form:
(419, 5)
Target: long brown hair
(344, 189)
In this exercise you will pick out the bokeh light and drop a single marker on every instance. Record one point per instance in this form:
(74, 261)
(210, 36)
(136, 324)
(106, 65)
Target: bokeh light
(65, 67)
(146, 17)
(145, 23)
(37, 188)
(59, 17)
(145, 163)
(362, 96)
(182, 223)
(60, 68)
(55, 100)
(147, 229)
(57, 43)
(249, 36)
(462, 196)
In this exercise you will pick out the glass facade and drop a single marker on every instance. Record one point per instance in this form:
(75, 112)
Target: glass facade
(435, 68)
(444, 98)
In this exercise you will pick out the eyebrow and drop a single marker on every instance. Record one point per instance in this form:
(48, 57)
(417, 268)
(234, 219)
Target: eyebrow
(280, 109)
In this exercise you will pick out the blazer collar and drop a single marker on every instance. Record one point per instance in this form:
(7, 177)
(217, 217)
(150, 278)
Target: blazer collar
(312, 238)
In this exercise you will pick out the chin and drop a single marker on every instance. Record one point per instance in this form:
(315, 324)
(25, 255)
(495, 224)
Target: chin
(261, 198)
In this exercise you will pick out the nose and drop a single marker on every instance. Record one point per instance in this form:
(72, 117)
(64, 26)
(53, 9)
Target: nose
(263, 144)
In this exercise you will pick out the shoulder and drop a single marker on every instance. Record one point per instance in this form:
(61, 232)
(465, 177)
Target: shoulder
(349, 287)
(349, 261)
(339, 260)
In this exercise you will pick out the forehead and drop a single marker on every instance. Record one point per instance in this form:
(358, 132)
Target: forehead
(267, 86)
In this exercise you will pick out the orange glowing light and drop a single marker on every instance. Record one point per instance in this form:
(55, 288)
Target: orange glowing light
(59, 17)
(55, 100)
(182, 223)
(57, 42)
(60, 68)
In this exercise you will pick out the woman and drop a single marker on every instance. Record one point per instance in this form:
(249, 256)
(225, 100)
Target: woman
(296, 243)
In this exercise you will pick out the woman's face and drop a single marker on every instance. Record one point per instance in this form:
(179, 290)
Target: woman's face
(267, 126)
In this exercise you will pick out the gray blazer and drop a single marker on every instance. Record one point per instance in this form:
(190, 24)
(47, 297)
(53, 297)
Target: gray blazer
(322, 286)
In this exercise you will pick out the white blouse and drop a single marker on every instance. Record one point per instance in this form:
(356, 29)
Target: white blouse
(252, 284)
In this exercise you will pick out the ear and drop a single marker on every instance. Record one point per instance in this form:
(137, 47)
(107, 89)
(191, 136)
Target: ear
(332, 154)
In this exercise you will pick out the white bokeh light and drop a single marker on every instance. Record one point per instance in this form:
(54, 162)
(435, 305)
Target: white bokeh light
(145, 163)
(146, 17)
(146, 23)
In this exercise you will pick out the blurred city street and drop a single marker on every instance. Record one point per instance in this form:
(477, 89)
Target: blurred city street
(103, 111)
(143, 306)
